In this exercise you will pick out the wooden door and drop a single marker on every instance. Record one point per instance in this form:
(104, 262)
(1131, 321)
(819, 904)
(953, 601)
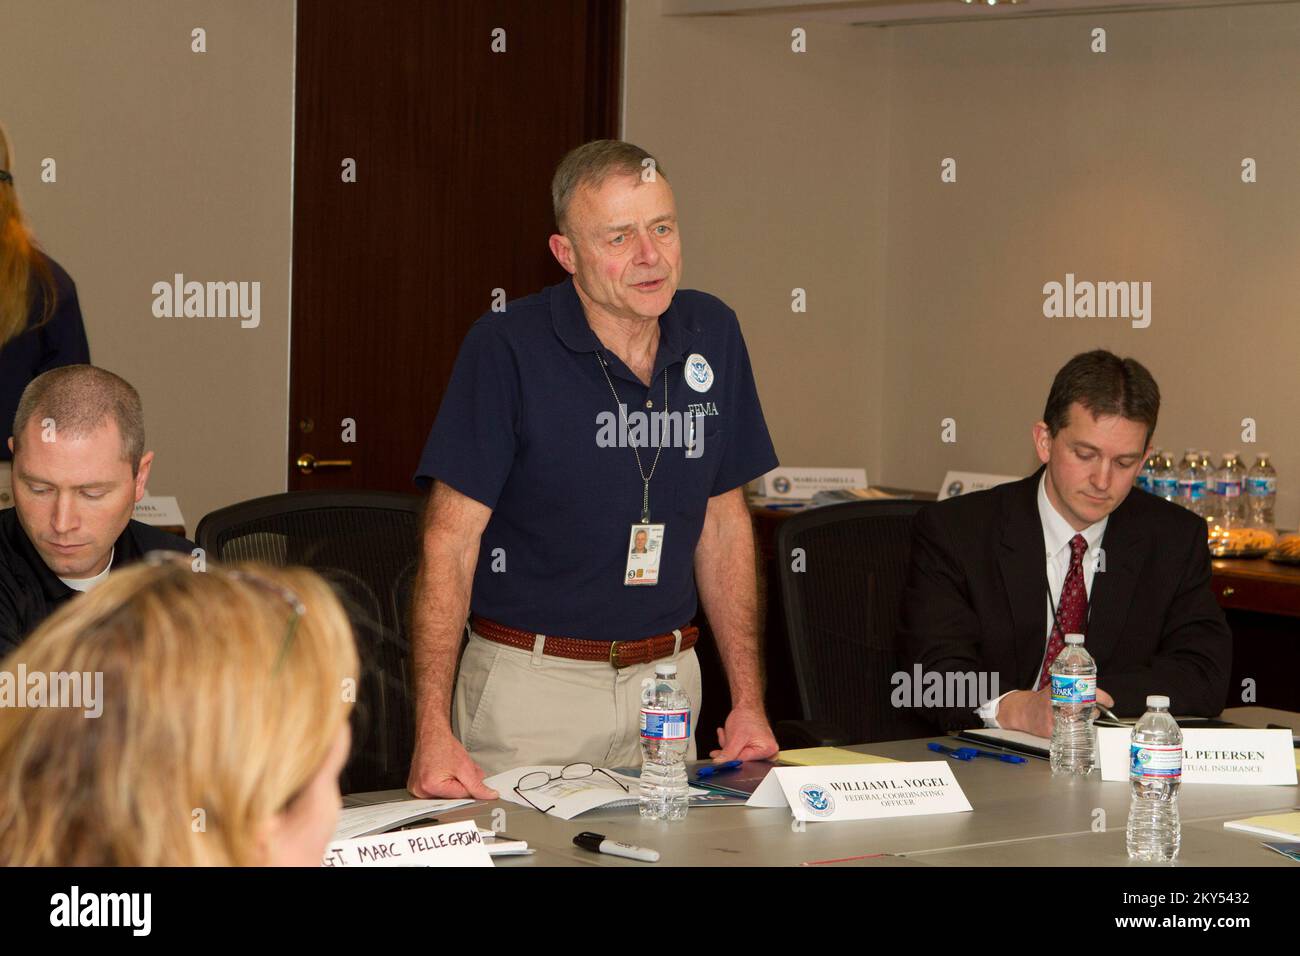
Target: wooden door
(454, 147)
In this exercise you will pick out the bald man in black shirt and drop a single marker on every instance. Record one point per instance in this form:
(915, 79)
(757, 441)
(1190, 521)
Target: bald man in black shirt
(79, 468)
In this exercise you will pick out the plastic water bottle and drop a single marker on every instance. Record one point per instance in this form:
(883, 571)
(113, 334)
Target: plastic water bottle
(1166, 479)
(1074, 705)
(1207, 468)
(1261, 492)
(1227, 486)
(1146, 478)
(1191, 483)
(1155, 771)
(665, 736)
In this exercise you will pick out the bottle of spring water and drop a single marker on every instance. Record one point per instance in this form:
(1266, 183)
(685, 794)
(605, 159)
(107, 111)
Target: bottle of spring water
(1210, 507)
(1166, 478)
(1146, 478)
(665, 736)
(1227, 486)
(1191, 483)
(1074, 704)
(1155, 770)
(1261, 492)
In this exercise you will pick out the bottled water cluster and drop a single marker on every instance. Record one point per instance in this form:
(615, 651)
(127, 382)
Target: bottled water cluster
(1228, 496)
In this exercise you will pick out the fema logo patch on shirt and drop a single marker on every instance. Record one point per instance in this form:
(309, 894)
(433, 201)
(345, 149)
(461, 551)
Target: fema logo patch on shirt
(699, 375)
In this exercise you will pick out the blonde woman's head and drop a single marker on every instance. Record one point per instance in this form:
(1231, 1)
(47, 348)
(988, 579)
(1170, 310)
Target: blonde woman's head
(223, 722)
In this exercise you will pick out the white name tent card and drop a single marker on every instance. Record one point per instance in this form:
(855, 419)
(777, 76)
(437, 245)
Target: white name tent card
(451, 844)
(806, 482)
(964, 482)
(158, 510)
(862, 791)
(1212, 755)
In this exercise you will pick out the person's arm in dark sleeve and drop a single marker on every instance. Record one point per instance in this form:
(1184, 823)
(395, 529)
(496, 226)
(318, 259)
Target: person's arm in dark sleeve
(472, 444)
(63, 337)
(1193, 661)
(747, 448)
(938, 627)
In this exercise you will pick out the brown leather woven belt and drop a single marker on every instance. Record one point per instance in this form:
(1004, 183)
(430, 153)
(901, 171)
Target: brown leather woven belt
(615, 653)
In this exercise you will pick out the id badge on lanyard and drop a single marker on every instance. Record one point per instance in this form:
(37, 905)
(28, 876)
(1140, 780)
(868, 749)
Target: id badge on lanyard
(645, 548)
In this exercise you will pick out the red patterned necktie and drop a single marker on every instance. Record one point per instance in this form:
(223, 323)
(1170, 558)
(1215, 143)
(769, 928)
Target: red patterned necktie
(1072, 614)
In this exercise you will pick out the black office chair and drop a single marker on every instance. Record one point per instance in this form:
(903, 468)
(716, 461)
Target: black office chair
(841, 615)
(367, 544)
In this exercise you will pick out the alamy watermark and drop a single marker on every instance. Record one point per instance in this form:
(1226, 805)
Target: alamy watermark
(651, 430)
(1102, 300)
(919, 688)
(82, 690)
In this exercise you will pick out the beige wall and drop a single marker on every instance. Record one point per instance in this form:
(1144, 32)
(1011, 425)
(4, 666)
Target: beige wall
(1115, 166)
(168, 161)
(744, 127)
(1123, 165)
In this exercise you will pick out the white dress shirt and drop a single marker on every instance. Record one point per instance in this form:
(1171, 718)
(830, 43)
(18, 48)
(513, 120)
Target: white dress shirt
(1056, 544)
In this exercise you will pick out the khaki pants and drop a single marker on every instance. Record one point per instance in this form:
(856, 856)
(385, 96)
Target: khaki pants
(516, 708)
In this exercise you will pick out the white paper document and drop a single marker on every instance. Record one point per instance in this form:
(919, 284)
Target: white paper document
(379, 817)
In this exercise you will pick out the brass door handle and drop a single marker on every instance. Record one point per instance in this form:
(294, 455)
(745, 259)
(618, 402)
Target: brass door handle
(307, 463)
(1229, 591)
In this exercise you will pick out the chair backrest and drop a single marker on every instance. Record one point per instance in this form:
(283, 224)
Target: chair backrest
(366, 543)
(842, 590)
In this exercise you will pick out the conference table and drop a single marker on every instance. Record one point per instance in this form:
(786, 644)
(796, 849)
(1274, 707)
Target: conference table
(1021, 816)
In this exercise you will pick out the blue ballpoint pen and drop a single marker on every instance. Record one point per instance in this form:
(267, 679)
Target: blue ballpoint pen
(1005, 758)
(961, 754)
(710, 770)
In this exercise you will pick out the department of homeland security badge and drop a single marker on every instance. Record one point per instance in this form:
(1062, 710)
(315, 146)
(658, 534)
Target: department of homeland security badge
(817, 799)
(699, 375)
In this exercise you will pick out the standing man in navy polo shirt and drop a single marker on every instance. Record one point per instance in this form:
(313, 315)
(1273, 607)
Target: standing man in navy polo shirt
(551, 461)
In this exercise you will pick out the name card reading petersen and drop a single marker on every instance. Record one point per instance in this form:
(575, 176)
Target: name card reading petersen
(863, 791)
(452, 844)
(1212, 755)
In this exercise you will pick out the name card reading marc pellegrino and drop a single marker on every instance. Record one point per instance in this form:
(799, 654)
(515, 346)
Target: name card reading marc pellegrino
(451, 844)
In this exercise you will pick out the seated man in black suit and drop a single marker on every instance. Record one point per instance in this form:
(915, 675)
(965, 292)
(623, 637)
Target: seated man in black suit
(1000, 576)
(79, 468)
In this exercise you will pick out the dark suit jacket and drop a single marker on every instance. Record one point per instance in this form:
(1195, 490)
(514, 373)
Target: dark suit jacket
(30, 592)
(975, 601)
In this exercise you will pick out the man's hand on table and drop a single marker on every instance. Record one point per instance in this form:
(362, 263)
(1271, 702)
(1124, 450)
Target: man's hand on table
(746, 736)
(1031, 710)
(441, 767)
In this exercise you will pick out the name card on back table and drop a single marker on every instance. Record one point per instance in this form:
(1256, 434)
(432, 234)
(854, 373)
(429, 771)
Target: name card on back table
(1260, 757)
(964, 482)
(451, 844)
(862, 791)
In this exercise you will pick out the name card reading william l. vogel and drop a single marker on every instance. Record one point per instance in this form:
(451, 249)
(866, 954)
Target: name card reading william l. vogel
(451, 844)
(1210, 755)
(862, 791)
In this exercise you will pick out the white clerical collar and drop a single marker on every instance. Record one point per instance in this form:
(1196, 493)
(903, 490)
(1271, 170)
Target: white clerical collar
(85, 584)
(1057, 531)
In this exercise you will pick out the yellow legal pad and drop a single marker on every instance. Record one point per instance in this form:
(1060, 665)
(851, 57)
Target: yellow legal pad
(828, 756)
(1277, 826)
